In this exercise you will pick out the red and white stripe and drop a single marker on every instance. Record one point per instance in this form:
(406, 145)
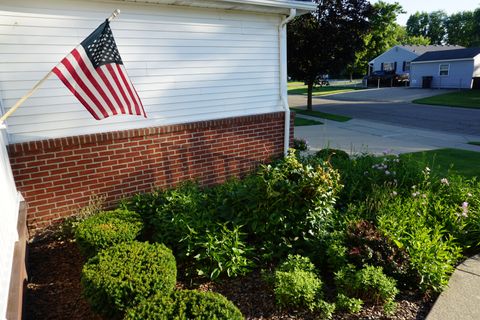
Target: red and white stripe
(105, 91)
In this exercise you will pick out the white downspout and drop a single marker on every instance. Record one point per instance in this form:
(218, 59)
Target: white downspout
(282, 35)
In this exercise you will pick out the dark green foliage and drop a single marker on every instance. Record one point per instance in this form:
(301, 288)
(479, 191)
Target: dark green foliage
(107, 228)
(123, 275)
(296, 284)
(325, 41)
(185, 305)
(332, 155)
(350, 305)
(292, 201)
(217, 250)
(369, 284)
(300, 144)
(296, 262)
(366, 245)
(187, 219)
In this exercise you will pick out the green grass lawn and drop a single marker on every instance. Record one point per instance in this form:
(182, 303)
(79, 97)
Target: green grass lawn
(296, 87)
(323, 115)
(462, 162)
(306, 122)
(463, 99)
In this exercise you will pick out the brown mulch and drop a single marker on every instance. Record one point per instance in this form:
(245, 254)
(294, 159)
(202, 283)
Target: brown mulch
(54, 291)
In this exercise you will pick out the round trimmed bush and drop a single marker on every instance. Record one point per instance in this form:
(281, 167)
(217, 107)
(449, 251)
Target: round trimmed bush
(123, 275)
(107, 228)
(332, 154)
(185, 305)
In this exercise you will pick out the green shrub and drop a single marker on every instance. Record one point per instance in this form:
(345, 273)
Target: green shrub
(186, 219)
(292, 201)
(219, 250)
(106, 229)
(67, 228)
(325, 308)
(296, 285)
(369, 284)
(332, 155)
(123, 275)
(185, 305)
(350, 305)
(433, 251)
(296, 262)
(367, 245)
(300, 144)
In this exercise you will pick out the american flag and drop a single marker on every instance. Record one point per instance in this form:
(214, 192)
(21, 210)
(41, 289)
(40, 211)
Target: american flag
(95, 74)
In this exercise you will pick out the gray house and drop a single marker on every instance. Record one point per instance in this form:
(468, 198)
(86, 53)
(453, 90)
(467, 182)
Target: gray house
(397, 59)
(446, 69)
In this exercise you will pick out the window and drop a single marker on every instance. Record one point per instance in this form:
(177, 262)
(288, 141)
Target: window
(406, 66)
(443, 70)
(388, 66)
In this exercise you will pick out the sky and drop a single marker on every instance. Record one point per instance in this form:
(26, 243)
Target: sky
(449, 6)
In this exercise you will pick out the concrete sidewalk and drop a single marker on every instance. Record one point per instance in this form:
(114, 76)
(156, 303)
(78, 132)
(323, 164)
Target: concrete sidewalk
(358, 136)
(461, 300)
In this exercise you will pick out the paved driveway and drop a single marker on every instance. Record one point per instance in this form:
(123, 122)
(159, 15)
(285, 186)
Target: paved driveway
(392, 106)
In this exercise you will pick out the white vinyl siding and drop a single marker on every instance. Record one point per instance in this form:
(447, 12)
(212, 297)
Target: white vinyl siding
(8, 226)
(187, 64)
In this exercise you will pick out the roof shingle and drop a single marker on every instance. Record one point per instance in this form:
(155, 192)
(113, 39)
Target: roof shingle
(456, 54)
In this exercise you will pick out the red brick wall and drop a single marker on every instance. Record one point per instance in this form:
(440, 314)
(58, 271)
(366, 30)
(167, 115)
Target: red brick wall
(57, 176)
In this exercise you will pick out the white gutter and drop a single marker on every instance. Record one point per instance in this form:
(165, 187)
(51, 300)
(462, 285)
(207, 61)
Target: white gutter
(282, 34)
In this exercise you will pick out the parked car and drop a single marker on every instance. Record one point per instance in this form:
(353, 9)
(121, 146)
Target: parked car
(386, 78)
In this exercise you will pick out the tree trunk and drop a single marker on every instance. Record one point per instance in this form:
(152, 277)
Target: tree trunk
(351, 76)
(309, 95)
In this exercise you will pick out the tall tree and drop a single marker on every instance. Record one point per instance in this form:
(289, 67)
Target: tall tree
(461, 28)
(325, 41)
(476, 28)
(384, 34)
(429, 25)
(417, 24)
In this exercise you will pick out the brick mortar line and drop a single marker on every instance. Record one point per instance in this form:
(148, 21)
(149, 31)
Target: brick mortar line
(18, 149)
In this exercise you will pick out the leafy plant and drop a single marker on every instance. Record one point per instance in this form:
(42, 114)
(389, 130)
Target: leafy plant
(369, 284)
(185, 305)
(218, 250)
(292, 203)
(433, 252)
(296, 284)
(67, 228)
(351, 305)
(367, 245)
(106, 229)
(332, 155)
(123, 275)
(300, 144)
(296, 262)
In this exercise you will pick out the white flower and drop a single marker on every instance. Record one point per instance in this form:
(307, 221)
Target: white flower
(465, 209)
(394, 193)
(444, 181)
(387, 172)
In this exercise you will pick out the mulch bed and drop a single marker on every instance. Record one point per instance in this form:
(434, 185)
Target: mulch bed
(54, 290)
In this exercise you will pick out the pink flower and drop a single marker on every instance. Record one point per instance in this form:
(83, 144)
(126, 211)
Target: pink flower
(465, 209)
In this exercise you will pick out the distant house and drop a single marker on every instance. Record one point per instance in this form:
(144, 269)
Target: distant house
(446, 69)
(398, 59)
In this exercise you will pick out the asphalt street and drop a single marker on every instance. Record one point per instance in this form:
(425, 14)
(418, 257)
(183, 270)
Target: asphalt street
(393, 106)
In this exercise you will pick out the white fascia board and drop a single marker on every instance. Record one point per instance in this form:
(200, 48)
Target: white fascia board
(399, 47)
(440, 61)
(263, 6)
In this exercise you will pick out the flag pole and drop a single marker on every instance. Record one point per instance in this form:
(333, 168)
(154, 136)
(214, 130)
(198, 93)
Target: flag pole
(40, 82)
